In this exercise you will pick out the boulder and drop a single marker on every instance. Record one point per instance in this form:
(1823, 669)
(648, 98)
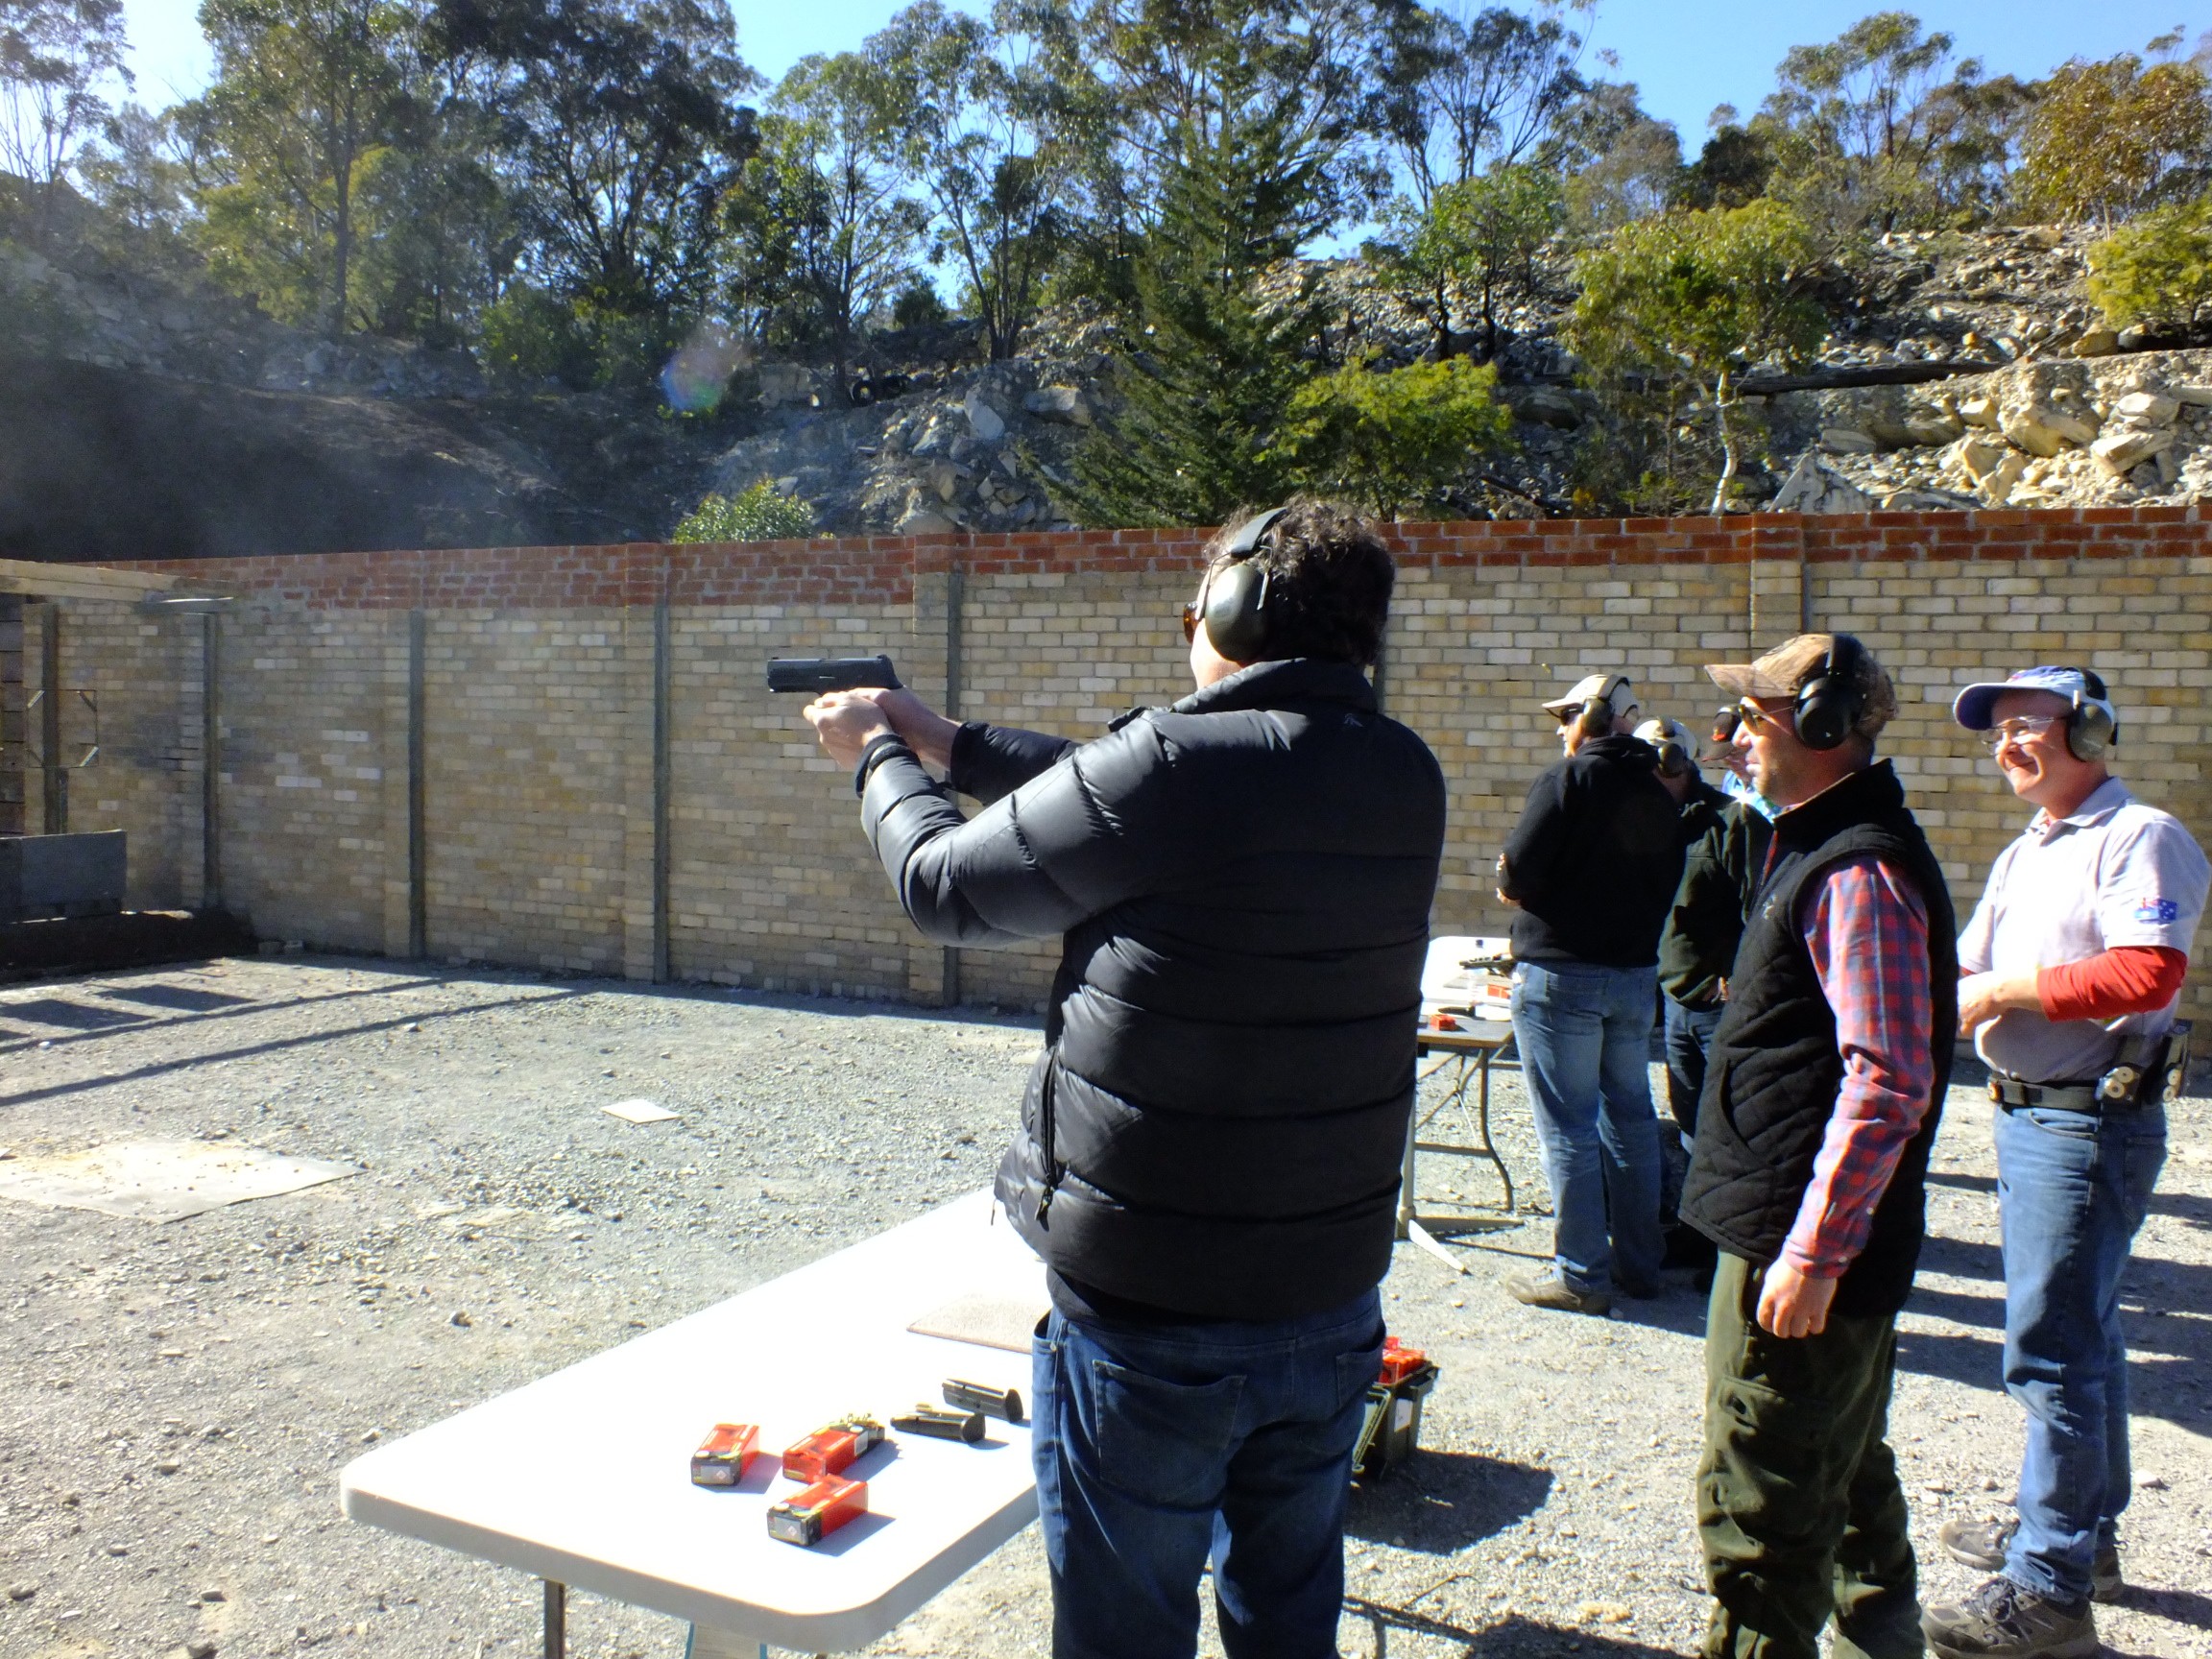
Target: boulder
(1997, 488)
(1849, 441)
(2045, 429)
(922, 521)
(2148, 408)
(783, 383)
(2121, 451)
(946, 478)
(1547, 406)
(2196, 397)
(1979, 411)
(985, 421)
(2095, 342)
(1932, 426)
(1978, 456)
(1812, 486)
(1064, 405)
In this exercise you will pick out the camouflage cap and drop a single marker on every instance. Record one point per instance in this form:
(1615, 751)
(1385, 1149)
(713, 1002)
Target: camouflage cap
(1783, 670)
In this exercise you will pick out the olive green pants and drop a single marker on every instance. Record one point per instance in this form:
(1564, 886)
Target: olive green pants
(1798, 1506)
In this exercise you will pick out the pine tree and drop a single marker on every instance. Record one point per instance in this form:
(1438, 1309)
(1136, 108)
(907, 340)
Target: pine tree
(1207, 392)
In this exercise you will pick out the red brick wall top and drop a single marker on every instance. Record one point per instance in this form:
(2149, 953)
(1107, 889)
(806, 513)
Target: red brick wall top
(880, 569)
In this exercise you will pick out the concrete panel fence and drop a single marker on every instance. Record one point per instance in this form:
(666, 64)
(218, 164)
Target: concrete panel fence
(566, 757)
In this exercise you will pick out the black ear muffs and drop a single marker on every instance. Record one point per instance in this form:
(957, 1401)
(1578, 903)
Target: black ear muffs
(1596, 720)
(2090, 729)
(1830, 701)
(1233, 606)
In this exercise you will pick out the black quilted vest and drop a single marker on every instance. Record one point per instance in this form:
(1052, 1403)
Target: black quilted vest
(1772, 1079)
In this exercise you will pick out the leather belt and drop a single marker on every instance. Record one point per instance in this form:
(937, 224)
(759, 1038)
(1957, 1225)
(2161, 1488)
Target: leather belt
(2011, 1094)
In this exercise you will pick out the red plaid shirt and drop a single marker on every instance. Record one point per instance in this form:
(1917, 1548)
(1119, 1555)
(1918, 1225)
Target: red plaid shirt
(1866, 927)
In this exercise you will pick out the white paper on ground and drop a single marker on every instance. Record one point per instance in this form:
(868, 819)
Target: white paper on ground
(162, 1180)
(638, 1112)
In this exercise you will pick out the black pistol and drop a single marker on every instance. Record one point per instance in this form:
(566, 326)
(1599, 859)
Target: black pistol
(815, 675)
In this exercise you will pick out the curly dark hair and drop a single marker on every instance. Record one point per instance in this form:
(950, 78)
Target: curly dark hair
(1329, 580)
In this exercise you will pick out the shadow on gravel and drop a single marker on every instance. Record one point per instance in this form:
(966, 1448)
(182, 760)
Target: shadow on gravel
(1966, 1183)
(1514, 1638)
(117, 1018)
(427, 1016)
(1444, 1501)
(2183, 1606)
(178, 998)
(2156, 1386)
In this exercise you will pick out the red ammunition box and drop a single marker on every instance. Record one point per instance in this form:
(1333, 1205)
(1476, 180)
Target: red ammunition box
(810, 1516)
(724, 1454)
(829, 1451)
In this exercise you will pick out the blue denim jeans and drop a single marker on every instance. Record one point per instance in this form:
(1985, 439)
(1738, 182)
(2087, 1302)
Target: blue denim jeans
(1584, 1032)
(1160, 1446)
(2072, 1189)
(1689, 1040)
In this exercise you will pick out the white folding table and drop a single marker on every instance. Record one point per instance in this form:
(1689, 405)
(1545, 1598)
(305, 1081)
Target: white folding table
(584, 1477)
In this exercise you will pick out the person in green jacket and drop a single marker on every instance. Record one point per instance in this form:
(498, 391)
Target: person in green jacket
(1728, 833)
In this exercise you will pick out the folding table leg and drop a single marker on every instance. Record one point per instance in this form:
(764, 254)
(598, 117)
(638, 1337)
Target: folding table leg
(556, 1619)
(704, 1644)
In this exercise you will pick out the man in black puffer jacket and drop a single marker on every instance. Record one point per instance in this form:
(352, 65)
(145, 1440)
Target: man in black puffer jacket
(1822, 1093)
(1209, 1143)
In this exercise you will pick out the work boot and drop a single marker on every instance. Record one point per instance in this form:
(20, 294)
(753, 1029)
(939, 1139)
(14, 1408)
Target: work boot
(1549, 1291)
(1982, 1543)
(2000, 1620)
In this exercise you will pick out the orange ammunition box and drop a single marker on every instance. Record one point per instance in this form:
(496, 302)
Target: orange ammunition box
(1399, 1362)
(813, 1515)
(724, 1454)
(830, 1449)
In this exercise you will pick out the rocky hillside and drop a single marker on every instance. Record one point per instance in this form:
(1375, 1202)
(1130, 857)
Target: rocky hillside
(148, 412)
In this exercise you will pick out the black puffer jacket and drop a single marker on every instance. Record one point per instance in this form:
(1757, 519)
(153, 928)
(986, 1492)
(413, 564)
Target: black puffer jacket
(1244, 881)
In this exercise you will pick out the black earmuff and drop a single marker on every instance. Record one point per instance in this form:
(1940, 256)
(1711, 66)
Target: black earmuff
(1831, 700)
(1233, 606)
(1596, 720)
(2090, 729)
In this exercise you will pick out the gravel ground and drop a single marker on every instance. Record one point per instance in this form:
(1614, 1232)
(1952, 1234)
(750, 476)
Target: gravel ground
(176, 1400)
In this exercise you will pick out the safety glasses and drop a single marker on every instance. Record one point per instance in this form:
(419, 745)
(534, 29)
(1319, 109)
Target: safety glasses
(2019, 729)
(1191, 622)
(1758, 721)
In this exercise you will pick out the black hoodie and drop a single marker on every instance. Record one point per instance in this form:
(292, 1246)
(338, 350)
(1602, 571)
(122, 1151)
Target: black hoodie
(1596, 858)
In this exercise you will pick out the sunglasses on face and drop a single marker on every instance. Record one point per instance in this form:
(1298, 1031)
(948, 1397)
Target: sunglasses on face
(1758, 721)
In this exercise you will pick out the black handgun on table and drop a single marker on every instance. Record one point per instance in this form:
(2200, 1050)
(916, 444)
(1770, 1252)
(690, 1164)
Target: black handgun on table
(815, 675)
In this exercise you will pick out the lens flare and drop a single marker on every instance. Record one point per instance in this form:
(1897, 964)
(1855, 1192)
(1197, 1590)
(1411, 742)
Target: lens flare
(698, 376)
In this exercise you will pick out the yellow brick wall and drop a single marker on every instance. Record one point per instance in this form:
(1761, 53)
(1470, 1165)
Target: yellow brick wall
(539, 757)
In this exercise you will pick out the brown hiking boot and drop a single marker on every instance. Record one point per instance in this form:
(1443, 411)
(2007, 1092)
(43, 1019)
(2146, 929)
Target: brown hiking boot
(1549, 1291)
(1982, 1543)
(2000, 1620)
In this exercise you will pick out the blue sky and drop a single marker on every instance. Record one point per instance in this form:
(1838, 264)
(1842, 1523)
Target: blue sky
(1686, 58)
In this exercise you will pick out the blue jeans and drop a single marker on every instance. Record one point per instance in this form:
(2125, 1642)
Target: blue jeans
(1585, 1038)
(1689, 1040)
(2072, 1189)
(1159, 1446)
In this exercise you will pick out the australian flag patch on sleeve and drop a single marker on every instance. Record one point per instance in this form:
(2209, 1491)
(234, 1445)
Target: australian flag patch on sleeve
(2157, 910)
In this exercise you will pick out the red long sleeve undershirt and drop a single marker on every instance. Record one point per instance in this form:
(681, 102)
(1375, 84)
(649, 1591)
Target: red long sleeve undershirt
(2126, 979)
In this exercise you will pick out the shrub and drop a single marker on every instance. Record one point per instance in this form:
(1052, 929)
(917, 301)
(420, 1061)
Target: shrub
(2157, 270)
(917, 306)
(761, 514)
(1393, 440)
(529, 338)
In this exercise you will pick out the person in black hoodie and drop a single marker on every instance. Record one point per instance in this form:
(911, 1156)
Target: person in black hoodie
(1209, 1152)
(1592, 866)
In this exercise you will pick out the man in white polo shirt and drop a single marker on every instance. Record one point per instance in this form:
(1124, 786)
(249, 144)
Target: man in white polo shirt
(2071, 970)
